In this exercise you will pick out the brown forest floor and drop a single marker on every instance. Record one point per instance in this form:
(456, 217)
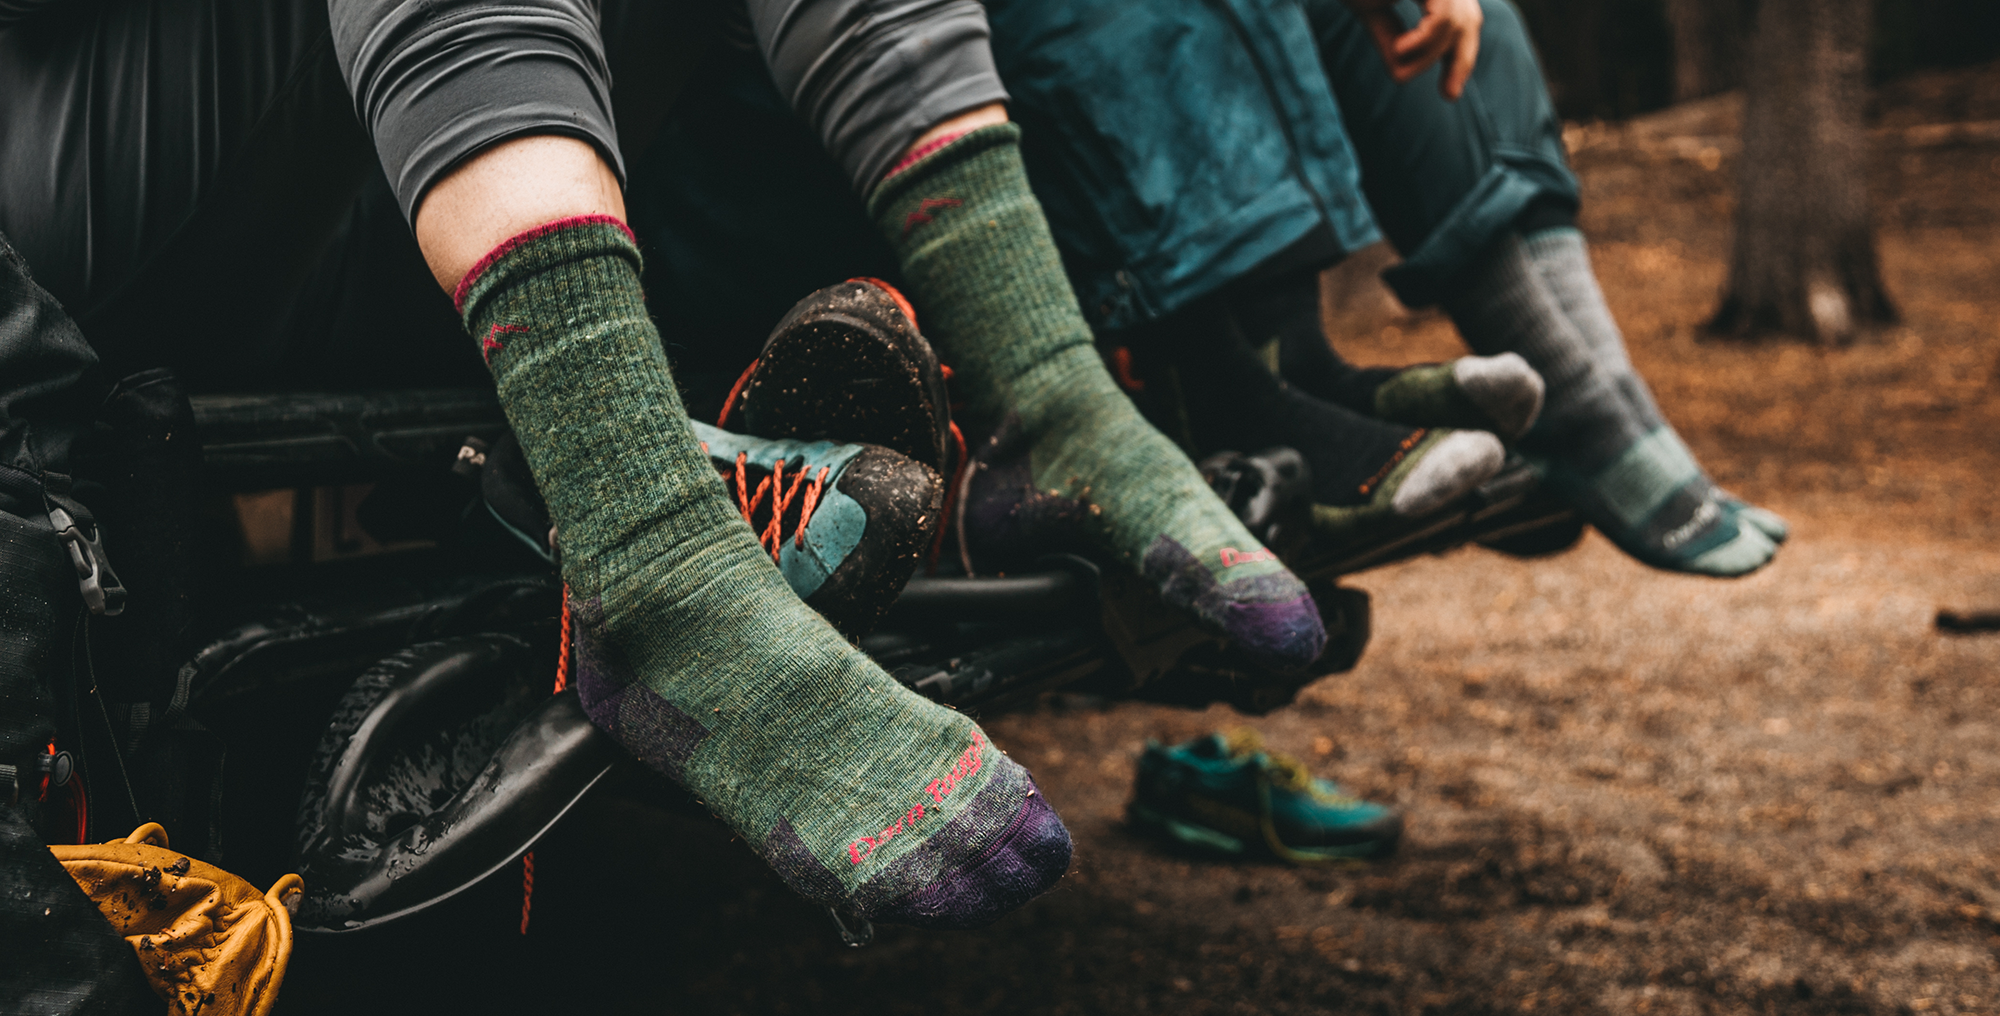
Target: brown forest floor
(1628, 792)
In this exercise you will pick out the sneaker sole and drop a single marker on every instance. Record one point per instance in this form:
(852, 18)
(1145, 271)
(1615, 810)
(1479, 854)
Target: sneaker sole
(1211, 841)
(848, 364)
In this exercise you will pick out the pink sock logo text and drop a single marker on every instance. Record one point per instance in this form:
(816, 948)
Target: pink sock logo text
(968, 763)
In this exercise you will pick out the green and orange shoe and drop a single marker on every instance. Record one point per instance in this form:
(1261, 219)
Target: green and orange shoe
(1225, 795)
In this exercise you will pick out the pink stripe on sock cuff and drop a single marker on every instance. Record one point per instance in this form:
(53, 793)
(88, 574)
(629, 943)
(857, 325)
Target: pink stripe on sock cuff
(930, 146)
(465, 284)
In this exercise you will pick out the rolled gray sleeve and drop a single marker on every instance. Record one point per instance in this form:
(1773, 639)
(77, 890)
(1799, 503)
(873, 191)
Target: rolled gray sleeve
(872, 75)
(436, 81)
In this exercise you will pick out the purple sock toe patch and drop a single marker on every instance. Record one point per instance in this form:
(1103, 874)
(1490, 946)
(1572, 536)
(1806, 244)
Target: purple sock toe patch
(1023, 863)
(1270, 618)
(1289, 635)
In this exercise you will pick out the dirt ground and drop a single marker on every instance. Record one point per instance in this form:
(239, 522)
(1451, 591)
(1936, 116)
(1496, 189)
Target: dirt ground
(1627, 791)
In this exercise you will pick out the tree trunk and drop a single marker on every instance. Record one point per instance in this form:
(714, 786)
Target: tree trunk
(1804, 261)
(1708, 46)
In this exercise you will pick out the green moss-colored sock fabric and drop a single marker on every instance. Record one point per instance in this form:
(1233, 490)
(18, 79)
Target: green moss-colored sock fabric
(982, 269)
(695, 654)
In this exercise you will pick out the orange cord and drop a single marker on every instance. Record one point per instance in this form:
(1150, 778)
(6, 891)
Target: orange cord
(811, 503)
(527, 888)
(562, 657)
(1368, 485)
(562, 681)
(729, 404)
(1121, 367)
(950, 488)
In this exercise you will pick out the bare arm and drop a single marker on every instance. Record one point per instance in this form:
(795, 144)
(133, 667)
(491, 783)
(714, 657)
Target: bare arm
(507, 190)
(972, 120)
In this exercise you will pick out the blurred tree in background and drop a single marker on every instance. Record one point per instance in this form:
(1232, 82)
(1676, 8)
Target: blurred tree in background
(1608, 59)
(1708, 38)
(1804, 260)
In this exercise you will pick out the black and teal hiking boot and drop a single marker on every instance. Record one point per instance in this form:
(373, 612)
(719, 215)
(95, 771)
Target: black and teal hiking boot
(847, 524)
(1223, 794)
(847, 363)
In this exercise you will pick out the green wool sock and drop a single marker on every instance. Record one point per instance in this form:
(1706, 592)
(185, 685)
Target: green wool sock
(695, 654)
(1498, 393)
(982, 268)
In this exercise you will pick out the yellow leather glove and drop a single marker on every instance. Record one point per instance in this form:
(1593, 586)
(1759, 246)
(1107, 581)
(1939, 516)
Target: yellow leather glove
(209, 942)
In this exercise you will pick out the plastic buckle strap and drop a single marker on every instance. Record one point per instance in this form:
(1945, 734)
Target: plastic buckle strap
(77, 529)
(102, 592)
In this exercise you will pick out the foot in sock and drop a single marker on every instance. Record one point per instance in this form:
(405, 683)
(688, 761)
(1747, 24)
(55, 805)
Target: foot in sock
(1500, 394)
(692, 651)
(1600, 443)
(1563, 261)
(982, 269)
(1366, 473)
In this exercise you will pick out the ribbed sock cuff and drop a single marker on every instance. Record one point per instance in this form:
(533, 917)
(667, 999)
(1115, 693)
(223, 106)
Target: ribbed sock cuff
(915, 172)
(541, 248)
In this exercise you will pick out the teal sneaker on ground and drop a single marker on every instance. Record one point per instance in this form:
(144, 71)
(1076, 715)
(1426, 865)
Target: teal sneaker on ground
(1223, 794)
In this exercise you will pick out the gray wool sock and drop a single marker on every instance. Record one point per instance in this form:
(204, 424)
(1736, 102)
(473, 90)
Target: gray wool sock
(1562, 258)
(1618, 463)
(1563, 261)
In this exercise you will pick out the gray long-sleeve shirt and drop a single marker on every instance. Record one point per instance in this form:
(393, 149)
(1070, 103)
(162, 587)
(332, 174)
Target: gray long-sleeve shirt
(435, 81)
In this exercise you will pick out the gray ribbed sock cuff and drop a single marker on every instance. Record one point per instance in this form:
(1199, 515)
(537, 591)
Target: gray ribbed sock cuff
(1563, 260)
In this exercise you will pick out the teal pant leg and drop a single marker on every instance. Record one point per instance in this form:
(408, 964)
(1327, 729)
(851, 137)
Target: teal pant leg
(1175, 144)
(1445, 179)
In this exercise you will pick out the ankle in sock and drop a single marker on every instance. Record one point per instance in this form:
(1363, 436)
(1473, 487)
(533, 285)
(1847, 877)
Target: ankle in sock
(982, 270)
(692, 651)
(1631, 477)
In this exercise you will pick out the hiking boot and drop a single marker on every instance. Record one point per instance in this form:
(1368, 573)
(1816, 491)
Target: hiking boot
(848, 364)
(1223, 794)
(845, 523)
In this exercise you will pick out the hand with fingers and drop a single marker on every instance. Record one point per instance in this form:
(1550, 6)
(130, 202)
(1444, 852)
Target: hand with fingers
(1449, 30)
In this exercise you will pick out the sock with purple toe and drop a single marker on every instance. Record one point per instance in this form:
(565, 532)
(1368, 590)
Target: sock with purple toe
(982, 268)
(694, 653)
